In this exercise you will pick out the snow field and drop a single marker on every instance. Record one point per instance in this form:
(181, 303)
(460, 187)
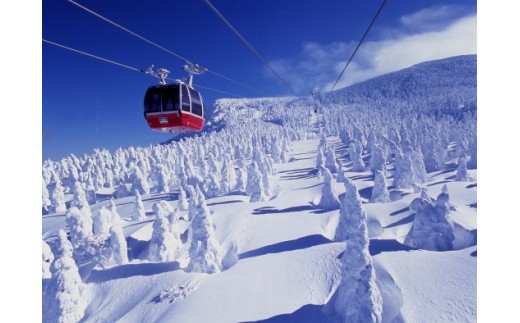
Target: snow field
(277, 252)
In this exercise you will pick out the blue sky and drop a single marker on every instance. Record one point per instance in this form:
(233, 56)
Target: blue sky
(87, 103)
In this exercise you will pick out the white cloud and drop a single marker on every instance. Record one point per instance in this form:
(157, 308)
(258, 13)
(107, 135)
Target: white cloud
(320, 64)
(433, 18)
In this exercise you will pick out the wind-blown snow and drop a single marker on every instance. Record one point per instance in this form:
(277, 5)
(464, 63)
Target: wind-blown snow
(240, 223)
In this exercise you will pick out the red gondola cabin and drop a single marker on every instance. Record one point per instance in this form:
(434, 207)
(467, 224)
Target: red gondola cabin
(174, 108)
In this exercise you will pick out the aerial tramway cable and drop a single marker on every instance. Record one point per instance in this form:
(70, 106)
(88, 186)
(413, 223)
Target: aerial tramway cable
(126, 66)
(359, 44)
(158, 46)
(215, 90)
(248, 45)
(128, 30)
(92, 55)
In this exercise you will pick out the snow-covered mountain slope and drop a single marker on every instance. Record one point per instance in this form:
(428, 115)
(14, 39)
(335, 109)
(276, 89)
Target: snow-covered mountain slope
(272, 216)
(454, 79)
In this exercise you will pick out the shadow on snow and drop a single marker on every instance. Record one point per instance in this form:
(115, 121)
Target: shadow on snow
(290, 245)
(303, 173)
(366, 192)
(400, 211)
(225, 202)
(131, 270)
(439, 183)
(136, 247)
(271, 210)
(405, 220)
(306, 314)
(162, 197)
(304, 188)
(378, 246)
(362, 177)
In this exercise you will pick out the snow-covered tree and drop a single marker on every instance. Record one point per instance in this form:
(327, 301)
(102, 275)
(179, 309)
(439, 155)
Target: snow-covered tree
(63, 173)
(205, 255)
(432, 228)
(241, 179)
(109, 178)
(91, 191)
(193, 191)
(121, 189)
(283, 154)
(269, 162)
(139, 182)
(472, 164)
(266, 178)
(97, 177)
(47, 259)
(214, 167)
(102, 222)
(340, 177)
(203, 167)
(80, 197)
(358, 164)
(164, 242)
(99, 244)
(80, 200)
(55, 178)
(276, 149)
(46, 173)
(239, 156)
(320, 160)
(345, 136)
(194, 180)
(228, 175)
(46, 202)
(359, 135)
(116, 218)
(187, 166)
(380, 192)
(377, 159)
(163, 208)
(350, 211)
(358, 297)
(330, 160)
(182, 204)
(462, 170)
(441, 155)
(323, 143)
(80, 226)
(163, 179)
(173, 220)
(58, 199)
(118, 254)
(138, 213)
(403, 174)
(329, 198)
(255, 184)
(213, 186)
(418, 167)
(431, 161)
(63, 301)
